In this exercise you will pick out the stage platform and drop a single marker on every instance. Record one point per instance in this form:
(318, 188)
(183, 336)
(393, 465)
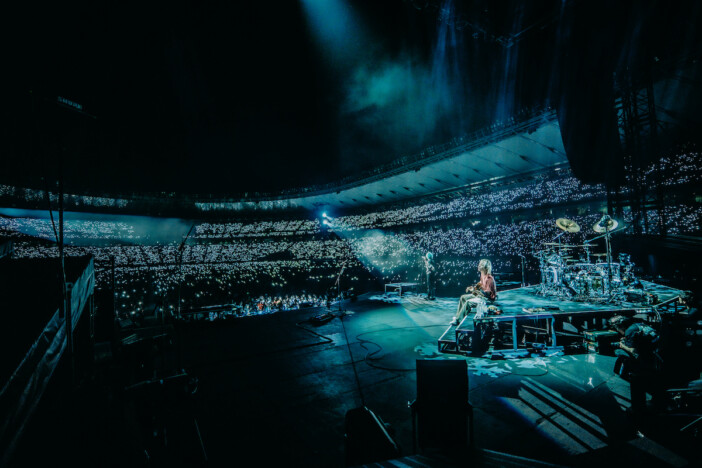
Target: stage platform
(401, 287)
(525, 306)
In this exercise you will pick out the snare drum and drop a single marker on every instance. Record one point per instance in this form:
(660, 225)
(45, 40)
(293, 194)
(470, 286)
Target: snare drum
(597, 284)
(585, 267)
(602, 269)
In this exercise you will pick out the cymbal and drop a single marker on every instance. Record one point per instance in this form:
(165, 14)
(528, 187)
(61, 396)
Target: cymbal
(567, 225)
(599, 255)
(605, 225)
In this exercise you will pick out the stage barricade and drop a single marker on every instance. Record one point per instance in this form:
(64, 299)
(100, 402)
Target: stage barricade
(21, 394)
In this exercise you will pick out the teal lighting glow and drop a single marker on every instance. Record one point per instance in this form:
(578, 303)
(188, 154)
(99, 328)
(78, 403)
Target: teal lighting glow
(335, 27)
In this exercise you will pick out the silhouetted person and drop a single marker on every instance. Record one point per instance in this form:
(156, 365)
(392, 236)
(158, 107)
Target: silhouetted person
(637, 360)
(431, 270)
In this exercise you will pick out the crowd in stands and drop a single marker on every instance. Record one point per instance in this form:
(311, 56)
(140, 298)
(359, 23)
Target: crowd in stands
(84, 230)
(546, 191)
(210, 271)
(256, 229)
(249, 263)
(39, 196)
(681, 168)
(246, 289)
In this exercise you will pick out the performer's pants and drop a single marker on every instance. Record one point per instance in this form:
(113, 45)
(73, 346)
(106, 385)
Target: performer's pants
(431, 285)
(464, 304)
(642, 379)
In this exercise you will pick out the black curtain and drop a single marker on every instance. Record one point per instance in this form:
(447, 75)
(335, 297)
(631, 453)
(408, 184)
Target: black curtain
(590, 44)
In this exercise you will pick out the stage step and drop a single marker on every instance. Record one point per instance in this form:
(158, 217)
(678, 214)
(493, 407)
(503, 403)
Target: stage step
(447, 341)
(477, 457)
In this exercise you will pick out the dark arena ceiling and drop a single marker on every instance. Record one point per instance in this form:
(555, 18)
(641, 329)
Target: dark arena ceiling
(258, 97)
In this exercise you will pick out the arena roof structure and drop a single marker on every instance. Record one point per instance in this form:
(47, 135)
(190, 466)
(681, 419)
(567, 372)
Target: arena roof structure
(518, 148)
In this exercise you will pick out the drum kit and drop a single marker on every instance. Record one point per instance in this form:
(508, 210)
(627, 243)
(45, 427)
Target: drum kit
(574, 271)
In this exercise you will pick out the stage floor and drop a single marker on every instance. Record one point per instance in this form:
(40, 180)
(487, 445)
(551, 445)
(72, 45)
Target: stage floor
(272, 391)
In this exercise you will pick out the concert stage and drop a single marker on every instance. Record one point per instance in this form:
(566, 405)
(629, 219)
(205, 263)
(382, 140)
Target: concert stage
(400, 287)
(275, 389)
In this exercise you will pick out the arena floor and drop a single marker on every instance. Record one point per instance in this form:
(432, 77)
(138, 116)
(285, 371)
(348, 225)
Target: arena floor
(275, 389)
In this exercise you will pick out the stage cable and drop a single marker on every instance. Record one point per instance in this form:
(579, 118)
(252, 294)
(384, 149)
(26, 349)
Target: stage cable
(369, 355)
(325, 338)
(353, 363)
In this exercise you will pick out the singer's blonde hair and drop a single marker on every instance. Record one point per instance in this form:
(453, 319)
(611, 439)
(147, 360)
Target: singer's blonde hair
(485, 265)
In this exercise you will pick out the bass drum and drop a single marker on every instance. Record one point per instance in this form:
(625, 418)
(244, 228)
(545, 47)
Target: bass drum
(597, 284)
(602, 269)
(616, 275)
(585, 283)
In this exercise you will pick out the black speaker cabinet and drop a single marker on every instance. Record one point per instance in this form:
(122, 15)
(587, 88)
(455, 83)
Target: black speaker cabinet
(442, 410)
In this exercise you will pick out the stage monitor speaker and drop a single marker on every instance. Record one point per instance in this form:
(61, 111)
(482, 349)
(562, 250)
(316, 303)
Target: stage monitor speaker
(367, 438)
(442, 410)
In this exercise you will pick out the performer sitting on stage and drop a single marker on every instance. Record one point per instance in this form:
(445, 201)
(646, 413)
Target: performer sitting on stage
(485, 288)
(431, 275)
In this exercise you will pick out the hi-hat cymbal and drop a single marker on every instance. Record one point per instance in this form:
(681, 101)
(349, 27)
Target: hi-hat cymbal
(567, 225)
(605, 225)
(598, 255)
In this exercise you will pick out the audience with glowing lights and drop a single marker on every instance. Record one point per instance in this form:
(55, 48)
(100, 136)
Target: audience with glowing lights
(265, 266)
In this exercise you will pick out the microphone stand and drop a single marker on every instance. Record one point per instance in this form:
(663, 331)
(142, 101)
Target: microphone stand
(523, 260)
(558, 237)
(337, 283)
(587, 246)
(608, 239)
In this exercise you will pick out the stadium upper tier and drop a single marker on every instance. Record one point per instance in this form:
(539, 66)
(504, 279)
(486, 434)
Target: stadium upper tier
(528, 142)
(518, 148)
(679, 175)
